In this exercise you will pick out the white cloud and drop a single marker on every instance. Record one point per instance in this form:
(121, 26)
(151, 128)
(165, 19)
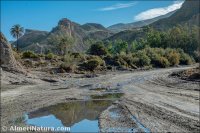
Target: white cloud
(155, 12)
(117, 6)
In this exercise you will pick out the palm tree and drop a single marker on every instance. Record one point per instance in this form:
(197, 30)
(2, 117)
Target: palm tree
(17, 31)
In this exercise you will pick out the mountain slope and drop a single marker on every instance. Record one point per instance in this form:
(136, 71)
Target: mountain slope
(65, 28)
(120, 27)
(127, 35)
(188, 14)
(31, 37)
(93, 27)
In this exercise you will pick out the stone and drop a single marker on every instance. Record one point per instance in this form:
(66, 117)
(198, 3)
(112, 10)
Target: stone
(7, 60)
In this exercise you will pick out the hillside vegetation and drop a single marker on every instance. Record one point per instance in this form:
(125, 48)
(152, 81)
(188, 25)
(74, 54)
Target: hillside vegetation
(159, 49)
(70, 47)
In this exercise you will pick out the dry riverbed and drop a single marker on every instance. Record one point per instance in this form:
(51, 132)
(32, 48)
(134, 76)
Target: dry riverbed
(151, 101)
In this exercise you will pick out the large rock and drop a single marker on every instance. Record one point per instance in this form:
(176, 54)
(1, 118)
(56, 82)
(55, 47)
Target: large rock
(7, 59)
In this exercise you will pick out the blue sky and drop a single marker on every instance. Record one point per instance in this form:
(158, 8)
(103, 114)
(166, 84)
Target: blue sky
(44, 15)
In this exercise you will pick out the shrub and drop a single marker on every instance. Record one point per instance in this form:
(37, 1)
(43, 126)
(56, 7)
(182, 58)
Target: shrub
(68, 58)
(17, 55)
(130, 62)
(196, 56)
(136, 60)
(41, 55)
(68, 67)
(109, 60)
(142, 59)
(119, 59)
(93, 63)
(78, 57)
(112, 60)
(159, 61)
(29, 54)
(174, 58)
(98, 49)
(159, 51)
(70, 63)
(185, 59)
(109, 67)
(28, 63)
(163, 62)
(50, 56)
(41, 63)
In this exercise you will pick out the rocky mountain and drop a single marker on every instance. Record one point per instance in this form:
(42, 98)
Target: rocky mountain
(35, 40)
(7, 59)
(93, 27)
(31, 37)
(188, 14)
(84, 35)
(127, 35)
(121, 26)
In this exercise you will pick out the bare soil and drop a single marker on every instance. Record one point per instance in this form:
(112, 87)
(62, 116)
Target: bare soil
(161, 103)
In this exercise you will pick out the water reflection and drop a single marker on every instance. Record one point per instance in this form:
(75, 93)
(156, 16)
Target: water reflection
(81, 116)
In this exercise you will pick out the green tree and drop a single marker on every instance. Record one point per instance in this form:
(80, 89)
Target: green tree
(120, 47)
(134, 46)
(17, 31)
(62, 42)
(138, 45)
(109, 46)
(154, 38)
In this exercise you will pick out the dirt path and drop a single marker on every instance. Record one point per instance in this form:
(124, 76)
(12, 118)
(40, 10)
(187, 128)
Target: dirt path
(158, 102)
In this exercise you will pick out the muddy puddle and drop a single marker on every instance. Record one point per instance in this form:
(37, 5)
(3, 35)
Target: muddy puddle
(111, 96)
(80, 116)
(120, 120)
(83, 116)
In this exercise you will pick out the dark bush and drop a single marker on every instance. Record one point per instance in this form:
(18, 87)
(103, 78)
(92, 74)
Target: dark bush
(119, 59)
(67, 67)
(109, 60)
(29, 54)
(76, 55)
(93, 64)
(196, 56)
(185, 59)
(79, 57)
(98, 49)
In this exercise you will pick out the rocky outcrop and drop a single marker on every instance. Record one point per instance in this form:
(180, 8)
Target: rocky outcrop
(31, 37)
(82, 36)
(7, 60)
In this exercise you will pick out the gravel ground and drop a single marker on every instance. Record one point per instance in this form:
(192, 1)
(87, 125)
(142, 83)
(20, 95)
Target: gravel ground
(152, 100)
